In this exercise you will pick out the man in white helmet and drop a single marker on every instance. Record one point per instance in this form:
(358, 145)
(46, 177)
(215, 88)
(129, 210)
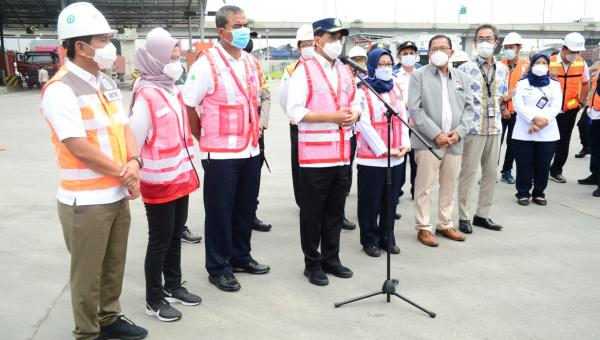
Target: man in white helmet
(570, 69)
(517, 68)
(359, 55)
(99, 168)
(305, 45)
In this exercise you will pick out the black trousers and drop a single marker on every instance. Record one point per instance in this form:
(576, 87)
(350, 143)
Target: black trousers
(352, 155)
(410, 159)
(230, 191)
(322, 200)
(507, 129)
(594, 130)
(533, 160)
(566, 122)
(261, 145)
(373, 204)
(583, 126)
(163, 254)
(294, 161)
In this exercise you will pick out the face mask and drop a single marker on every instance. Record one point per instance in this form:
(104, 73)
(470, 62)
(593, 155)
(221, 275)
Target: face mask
(104, 56)
(509, 54)
(240, 37)
(173, 70)
(409, 60)
(333, 50)
(439, 58)
(570, 57)
(539, 70)
(383, 73)
(308, 51)
(485, 49)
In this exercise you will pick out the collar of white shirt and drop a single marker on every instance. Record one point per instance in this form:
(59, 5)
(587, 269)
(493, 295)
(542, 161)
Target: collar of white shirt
(230, 58)
(324, 62)
(94, 81)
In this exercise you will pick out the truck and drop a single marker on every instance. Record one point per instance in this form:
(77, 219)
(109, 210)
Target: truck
(30, 63)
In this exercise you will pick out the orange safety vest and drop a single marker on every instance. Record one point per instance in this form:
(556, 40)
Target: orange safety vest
(570, 81)
(595, 98)
(514, 76)
(104, 121)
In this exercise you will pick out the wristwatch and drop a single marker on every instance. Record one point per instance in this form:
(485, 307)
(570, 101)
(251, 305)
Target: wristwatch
(137, 159)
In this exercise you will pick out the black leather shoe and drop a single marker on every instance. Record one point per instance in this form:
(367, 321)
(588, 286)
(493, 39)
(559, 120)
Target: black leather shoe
(590, 180)
(486, 223)
(372, 251)
(397, 216)
(596, 192)
(465, 226)
(339, 271)
(259, 225)
(316, 277)
(226, 282)
(251, 267)
(394, 250)
(347, 225)
(584, 151)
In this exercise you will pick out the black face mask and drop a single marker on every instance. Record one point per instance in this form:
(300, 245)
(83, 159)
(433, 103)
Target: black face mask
(456, 64)
(249, 47)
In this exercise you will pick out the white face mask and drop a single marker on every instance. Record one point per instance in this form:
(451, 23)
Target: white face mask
(570, 57)
(333, 50)
(308, 51)
(409, 60)
(439, 58)
(105, 56)
(384, 73)
(539, 70)
(173, 70)
(485, 49)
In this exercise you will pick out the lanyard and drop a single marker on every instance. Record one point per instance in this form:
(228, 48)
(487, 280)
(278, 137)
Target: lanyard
(235, 77)
(336, 97)
(488, 82)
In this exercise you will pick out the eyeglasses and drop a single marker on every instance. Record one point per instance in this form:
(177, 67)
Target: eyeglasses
(486, 39)
(441, 48)
(385, 65)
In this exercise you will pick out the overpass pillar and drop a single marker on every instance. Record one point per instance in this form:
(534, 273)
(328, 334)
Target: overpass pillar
(127, 40)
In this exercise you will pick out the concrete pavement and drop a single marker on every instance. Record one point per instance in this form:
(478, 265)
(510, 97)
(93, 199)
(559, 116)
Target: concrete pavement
(536, 279)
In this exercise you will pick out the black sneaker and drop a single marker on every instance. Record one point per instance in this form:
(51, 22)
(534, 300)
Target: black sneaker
(122, 328)
(558, 178)
(182, 296)
(188, 237)
(163, 311)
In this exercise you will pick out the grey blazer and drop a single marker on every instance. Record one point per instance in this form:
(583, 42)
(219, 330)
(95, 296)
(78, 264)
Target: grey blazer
(425, 105)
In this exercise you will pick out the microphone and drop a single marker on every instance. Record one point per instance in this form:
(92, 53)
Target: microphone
(344, 59)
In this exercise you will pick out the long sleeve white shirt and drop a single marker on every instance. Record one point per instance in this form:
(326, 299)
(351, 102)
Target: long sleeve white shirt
(525, 102)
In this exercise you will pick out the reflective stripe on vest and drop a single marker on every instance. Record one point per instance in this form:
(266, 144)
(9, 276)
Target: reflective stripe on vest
(168, 173)
(325, 143)
(570, 82)
(379, 123)
(514, 76)
(104, 122)
(229, 119)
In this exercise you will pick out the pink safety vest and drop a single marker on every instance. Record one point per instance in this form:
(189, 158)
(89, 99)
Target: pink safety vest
(325, 143)
(229, 120)
(379, 123)
(168, 173)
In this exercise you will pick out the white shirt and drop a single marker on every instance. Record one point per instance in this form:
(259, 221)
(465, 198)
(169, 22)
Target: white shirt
(585, 77)
(42, 75)
(446, 109)
(298, 94)
(199, 83)
(60, 107)
(593, 114)
(140, 121)
(404, 81)
(283, 89)
(525, 102)
(367, 131)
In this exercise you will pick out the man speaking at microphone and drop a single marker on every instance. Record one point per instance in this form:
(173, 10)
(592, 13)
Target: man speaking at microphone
(321, 101)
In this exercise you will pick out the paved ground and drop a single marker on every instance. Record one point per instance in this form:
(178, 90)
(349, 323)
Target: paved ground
(537, 279)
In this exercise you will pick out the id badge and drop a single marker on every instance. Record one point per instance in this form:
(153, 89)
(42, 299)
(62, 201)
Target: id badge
(542, 102)
(113, 95)
(491, 112)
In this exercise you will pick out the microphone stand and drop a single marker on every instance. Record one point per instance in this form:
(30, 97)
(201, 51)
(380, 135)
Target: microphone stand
(389, 285)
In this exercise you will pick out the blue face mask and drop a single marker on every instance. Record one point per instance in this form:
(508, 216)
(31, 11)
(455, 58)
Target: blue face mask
(509, 54)
(240, 37)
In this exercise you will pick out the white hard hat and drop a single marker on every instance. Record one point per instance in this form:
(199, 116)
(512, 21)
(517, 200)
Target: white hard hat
(305, 32)
(459, 56)
(575, 42)
(81, 19)
(357, 51)
(512, 38)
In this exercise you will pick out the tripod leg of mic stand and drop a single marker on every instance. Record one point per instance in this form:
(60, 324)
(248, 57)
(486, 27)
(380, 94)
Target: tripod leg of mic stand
(431, 314)
(339, 304)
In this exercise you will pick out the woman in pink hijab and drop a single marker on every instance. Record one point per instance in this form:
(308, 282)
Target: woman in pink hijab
(168, 176)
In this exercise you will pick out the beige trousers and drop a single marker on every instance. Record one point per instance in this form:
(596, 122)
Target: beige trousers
(478, 151)
(96, 237)
(429, 168)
